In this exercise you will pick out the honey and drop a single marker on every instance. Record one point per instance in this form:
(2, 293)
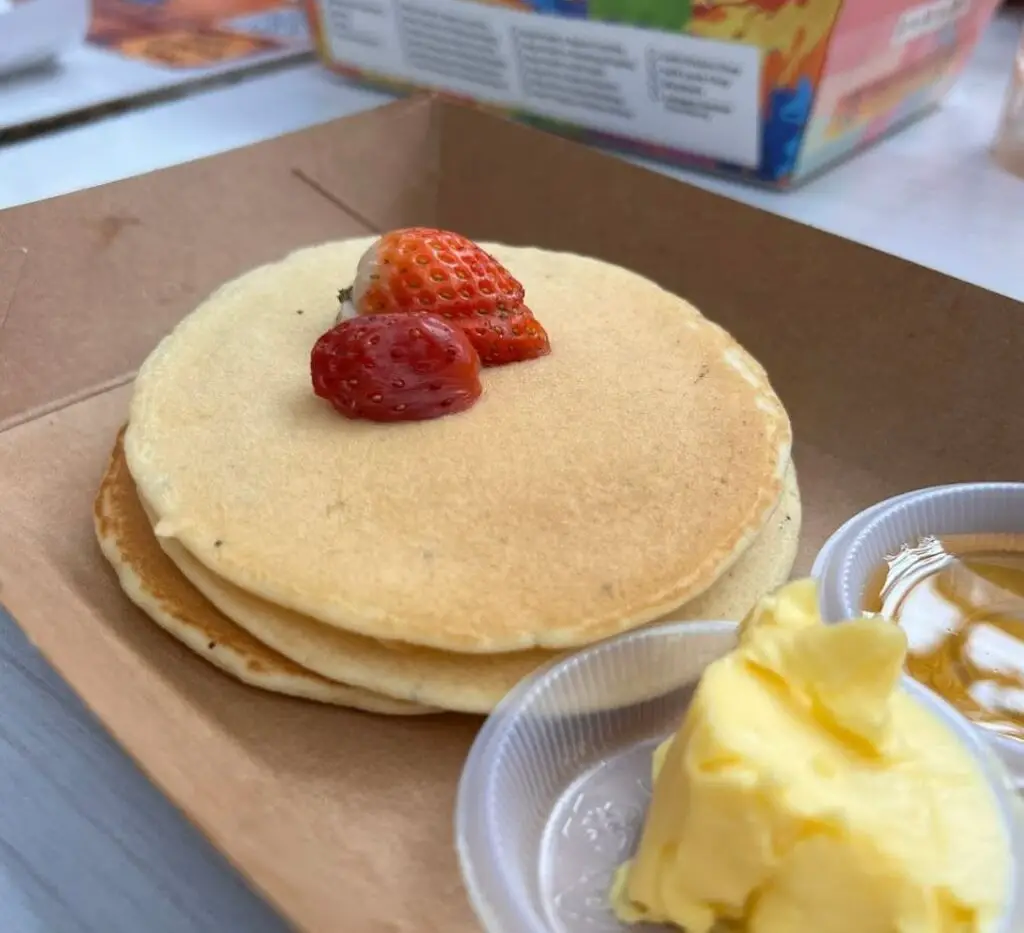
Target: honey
(960, 599)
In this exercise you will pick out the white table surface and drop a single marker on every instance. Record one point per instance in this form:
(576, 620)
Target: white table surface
(87, 845)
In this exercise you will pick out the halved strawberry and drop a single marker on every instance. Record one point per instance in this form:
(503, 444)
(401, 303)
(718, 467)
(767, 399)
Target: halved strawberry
(423, 269)
(508, 338)
(396, 367)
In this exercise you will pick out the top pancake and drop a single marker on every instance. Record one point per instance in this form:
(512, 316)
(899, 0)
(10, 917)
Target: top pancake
(585, 493)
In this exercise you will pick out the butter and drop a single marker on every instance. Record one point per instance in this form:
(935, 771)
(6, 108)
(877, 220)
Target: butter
(807, 792)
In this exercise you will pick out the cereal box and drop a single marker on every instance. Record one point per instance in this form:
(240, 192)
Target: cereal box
(769, 91)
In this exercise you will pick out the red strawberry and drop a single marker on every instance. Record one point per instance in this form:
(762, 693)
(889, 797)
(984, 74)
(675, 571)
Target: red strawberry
(396, 367)
(508, 338)
(421, 269)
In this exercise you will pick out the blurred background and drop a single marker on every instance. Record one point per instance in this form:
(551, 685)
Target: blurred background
(764, 91)
(892, 122)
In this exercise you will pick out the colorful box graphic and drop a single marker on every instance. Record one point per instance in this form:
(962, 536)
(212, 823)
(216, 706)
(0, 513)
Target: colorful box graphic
(770, 91)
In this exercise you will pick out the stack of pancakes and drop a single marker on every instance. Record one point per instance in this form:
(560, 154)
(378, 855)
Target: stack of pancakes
(640, 471)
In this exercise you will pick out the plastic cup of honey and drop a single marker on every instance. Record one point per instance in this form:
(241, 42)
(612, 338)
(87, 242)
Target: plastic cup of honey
(554, 792)
(947, 564)
(829, 559)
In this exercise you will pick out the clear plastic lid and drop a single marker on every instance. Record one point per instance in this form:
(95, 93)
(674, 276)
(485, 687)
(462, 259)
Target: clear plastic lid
(829, 559)
(554, 792)
(966, 508)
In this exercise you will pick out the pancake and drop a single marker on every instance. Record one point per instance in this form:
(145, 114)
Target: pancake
(474, 683)
(156, 586)
(587, 492)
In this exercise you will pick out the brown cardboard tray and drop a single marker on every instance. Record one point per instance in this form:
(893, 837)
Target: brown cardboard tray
(896, 377)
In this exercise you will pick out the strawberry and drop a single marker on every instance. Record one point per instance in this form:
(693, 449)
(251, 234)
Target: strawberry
(508, 338)
(422, 269)
(396, 367)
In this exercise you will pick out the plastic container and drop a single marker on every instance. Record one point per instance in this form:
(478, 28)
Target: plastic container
(34, 31)
(555, 789)
(1008, 147)
(830, 558)
(968, 508)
